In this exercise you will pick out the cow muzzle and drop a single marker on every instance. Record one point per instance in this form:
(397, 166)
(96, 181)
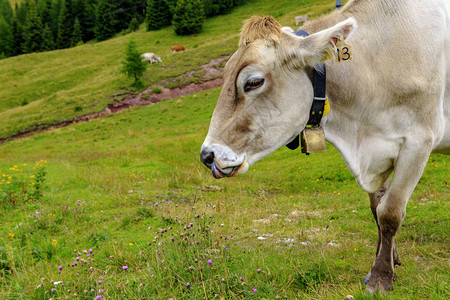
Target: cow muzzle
(221, 161)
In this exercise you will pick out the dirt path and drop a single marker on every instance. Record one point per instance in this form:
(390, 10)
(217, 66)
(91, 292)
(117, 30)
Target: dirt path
(210, 79)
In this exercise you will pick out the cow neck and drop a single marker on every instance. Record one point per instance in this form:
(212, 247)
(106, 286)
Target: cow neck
(318, 105)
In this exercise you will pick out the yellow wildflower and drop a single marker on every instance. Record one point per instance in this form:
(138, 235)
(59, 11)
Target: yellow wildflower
(11, 235)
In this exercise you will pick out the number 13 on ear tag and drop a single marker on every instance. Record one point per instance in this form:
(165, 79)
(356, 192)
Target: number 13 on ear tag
(343, 51)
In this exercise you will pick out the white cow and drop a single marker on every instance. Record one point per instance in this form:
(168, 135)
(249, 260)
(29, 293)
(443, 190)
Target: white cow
(390, 104)
(152, 58)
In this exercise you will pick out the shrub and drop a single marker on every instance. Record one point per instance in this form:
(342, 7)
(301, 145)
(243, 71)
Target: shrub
(156, 90)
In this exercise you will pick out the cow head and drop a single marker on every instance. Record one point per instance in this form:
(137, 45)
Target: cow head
(266, 95)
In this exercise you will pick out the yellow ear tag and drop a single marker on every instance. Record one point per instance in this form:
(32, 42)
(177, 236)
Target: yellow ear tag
(326, 108)
(343, 52)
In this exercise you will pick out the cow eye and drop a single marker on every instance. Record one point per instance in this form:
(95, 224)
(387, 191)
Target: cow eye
(253, 83)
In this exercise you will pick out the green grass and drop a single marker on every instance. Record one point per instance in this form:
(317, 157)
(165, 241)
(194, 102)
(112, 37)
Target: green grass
(114, 185)
(45, 88)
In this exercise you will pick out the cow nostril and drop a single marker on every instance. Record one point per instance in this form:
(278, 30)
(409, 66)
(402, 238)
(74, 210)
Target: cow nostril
(207, 158)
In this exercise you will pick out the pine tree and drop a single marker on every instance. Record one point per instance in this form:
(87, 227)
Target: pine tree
(188, 17)
(224, 6)
(6, 11)
(86, 10)
(16, 36)
(133, 67)
(124, 10)
(32, 32)
(104, 22)
(43, 10)
(48, 42)
(218, 7)
(55, 12)
(134, 25)
(172, 6)
(77, 34)
(158, 14)
(65, 28)
(6, 38)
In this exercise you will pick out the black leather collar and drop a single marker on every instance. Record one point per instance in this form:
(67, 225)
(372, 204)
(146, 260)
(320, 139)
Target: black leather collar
(317, 108)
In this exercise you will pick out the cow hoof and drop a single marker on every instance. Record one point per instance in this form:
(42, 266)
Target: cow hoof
(367, 277)
(379, 284)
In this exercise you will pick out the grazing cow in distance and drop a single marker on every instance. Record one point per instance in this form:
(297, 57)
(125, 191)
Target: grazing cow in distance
(177, 48)
(152, 58)
(389, 99)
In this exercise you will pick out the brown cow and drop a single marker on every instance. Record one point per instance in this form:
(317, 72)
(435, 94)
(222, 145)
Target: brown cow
(177, 48)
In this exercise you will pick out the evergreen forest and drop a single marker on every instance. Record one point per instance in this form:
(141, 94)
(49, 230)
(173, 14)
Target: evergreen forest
(45, 25)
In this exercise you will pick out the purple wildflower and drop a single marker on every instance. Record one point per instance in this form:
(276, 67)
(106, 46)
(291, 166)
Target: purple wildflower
(209, 262)
(241, 279)
(259, 270)
(254, 290)
(125, 267)
(188, 284)
(99, 297)
(226, 249)
(60, 268)
(90, 250)
(77, 258)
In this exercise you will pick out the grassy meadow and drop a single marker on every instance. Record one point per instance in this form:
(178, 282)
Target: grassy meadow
(129, 212)
(131, 188)
(44, 88)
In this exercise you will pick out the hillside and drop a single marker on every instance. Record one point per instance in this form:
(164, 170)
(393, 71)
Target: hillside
(46, 88)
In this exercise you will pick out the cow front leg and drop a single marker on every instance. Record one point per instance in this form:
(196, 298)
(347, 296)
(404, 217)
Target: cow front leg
(375, 199)
(391, 210)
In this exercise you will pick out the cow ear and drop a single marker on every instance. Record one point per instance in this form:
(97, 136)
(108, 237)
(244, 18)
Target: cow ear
(313, 49)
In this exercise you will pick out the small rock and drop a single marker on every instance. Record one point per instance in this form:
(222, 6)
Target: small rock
(348, 297)
(209, 188)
